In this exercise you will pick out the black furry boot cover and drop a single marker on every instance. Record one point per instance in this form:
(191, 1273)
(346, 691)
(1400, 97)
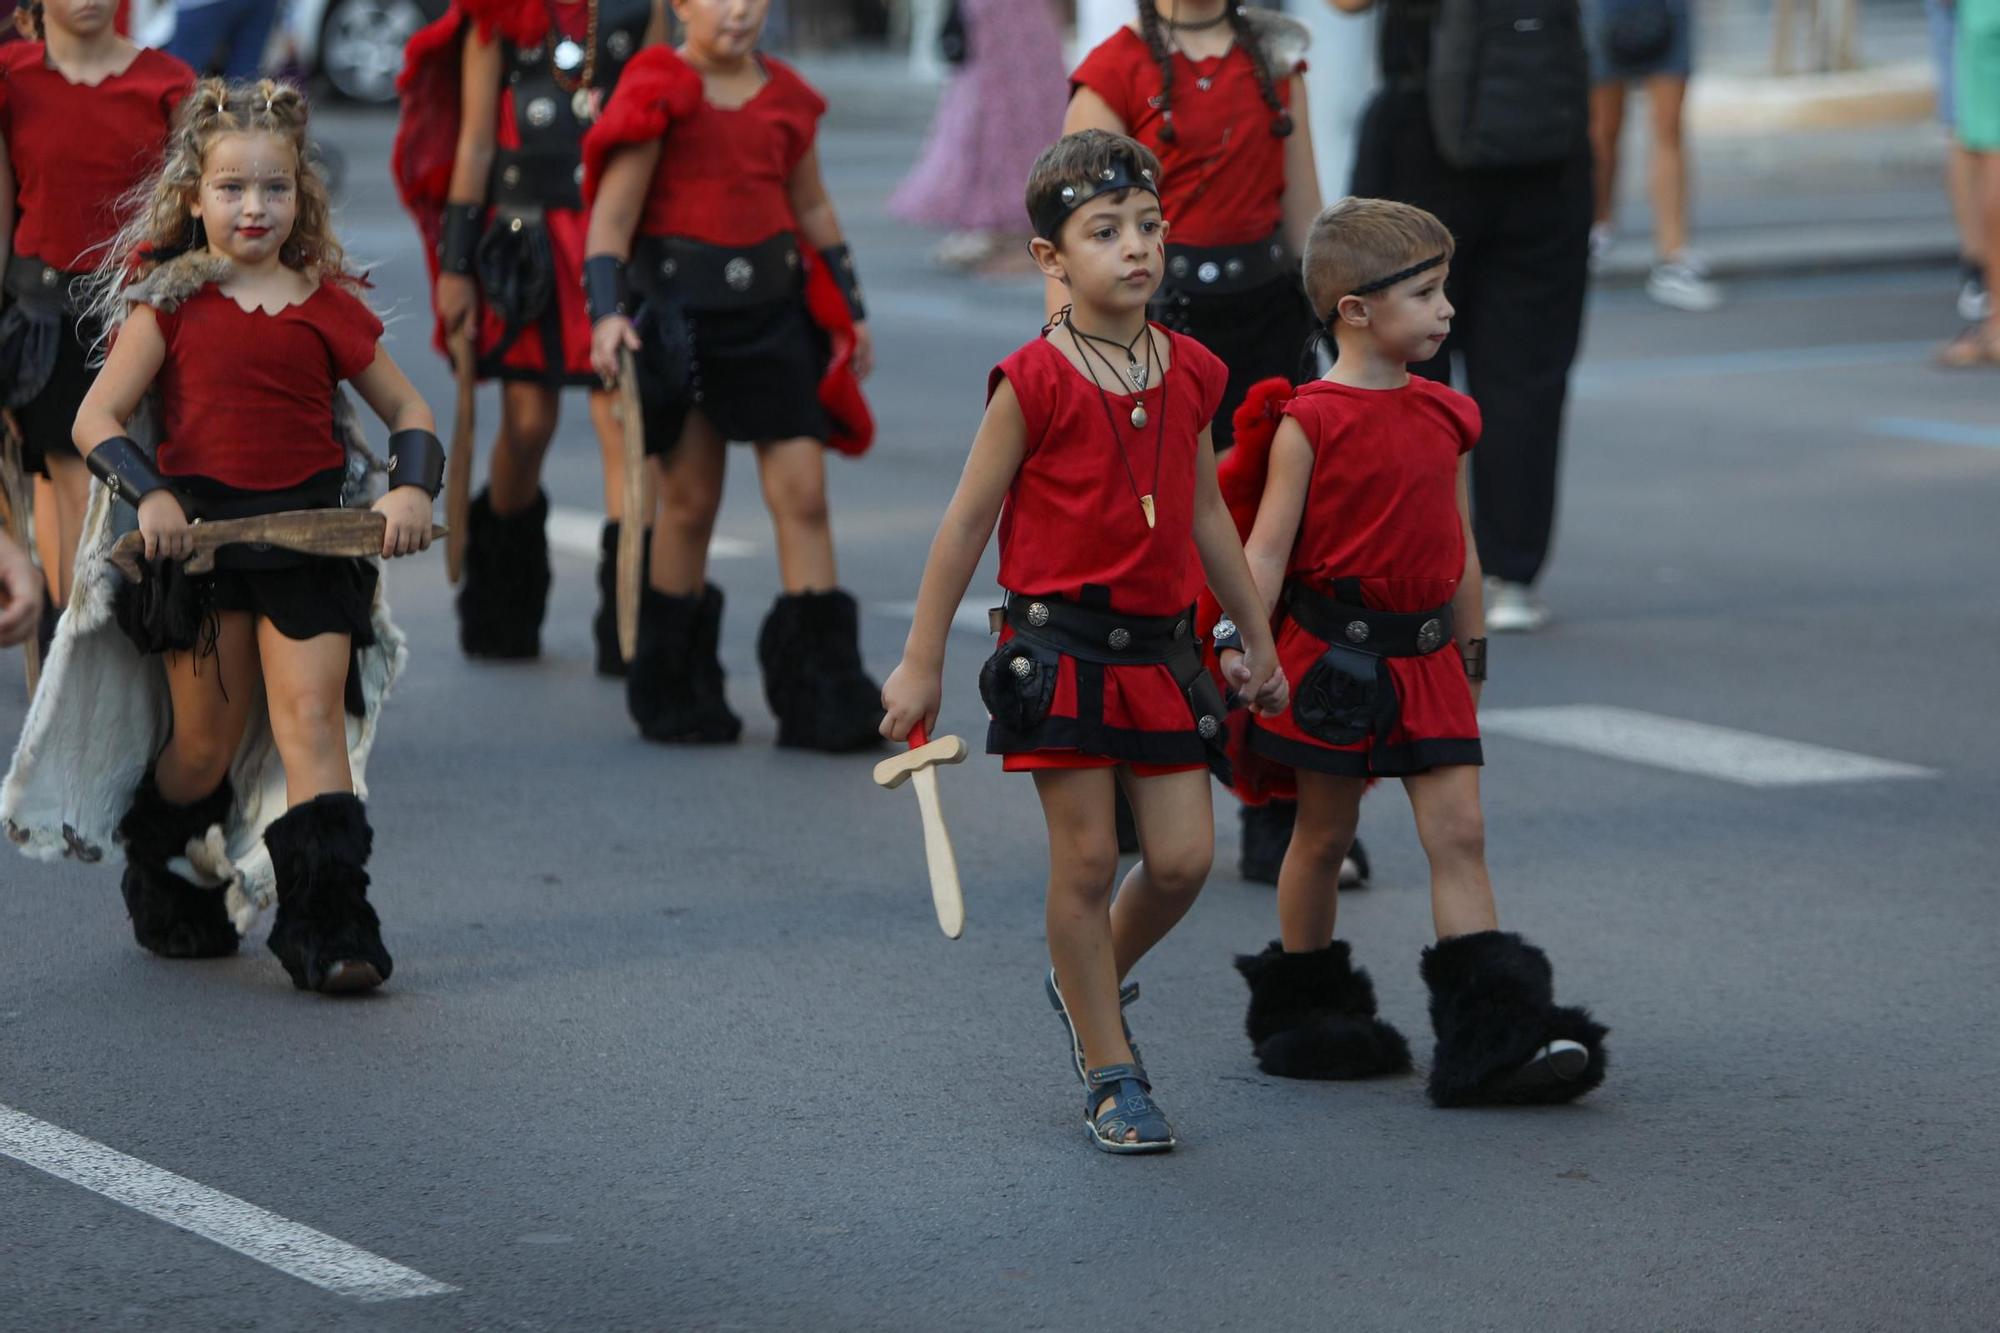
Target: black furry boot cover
(674, 689)
(810, 649)
(506, 586)
(170, 915)
(327, 935)
(1493, 1009)
(1312, 1015)
(1267, 833)
(604, 627)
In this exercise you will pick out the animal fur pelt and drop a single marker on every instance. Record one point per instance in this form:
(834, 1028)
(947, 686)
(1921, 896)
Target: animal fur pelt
(1283, 41)
(1492, 1006)
(1312, 1015)
(102, 711)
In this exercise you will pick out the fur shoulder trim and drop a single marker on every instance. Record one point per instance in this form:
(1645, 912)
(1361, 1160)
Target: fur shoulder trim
(178, 279)
(1282, 40)
(655, 90)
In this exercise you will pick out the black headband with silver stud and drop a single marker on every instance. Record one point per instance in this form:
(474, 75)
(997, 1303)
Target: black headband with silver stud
(1117, 177)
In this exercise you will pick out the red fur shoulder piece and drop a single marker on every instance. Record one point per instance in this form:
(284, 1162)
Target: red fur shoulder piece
(522, 22)
(655, 90)
(1243, 469)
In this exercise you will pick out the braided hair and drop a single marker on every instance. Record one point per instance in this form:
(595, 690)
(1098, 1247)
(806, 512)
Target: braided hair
(1153, 31)
(28, 20)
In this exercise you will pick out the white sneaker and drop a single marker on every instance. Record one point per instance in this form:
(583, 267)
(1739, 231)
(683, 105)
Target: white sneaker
(1513, 608)
(1682, 281)
(1975, 303)
(1602, 239)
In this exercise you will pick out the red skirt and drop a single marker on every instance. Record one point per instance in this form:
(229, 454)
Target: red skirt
(1103, 715)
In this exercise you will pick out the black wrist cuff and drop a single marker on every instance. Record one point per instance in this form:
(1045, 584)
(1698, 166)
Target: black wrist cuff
(462, 225)
(416, 458)
(124, 468)
(1474, 653)
(840, 262)
(604, 290)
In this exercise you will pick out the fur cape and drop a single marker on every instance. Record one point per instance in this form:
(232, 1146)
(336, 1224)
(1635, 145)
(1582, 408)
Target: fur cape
(102, 712)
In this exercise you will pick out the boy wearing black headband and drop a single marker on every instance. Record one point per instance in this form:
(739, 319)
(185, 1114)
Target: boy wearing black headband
(1363, 548)
(1095, 459)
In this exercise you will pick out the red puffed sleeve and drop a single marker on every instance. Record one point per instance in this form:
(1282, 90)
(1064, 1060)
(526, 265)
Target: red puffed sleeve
(176, 81)
(1459, 408)
(350, 330)
(1107, 71)
(1209, 374)
(655, 90)
(1025, 369)
(798, 107)
(522, 22)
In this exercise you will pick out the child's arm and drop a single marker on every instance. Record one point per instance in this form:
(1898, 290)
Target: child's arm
(1468, 604)
(472, 165)
(915, 690)
(1279, 513)
(129, 369)
(6, 206)
(1255, 672)
(614, 220)
(389, 393)
(818, 223)
(656, 27)
(1301, 200)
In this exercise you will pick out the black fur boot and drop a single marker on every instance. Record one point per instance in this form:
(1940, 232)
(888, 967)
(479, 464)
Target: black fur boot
(45, 631)
(171, 916)
(507, 577)
(1312, 1015)
(810, 650)
(1267, 832)
(610, 662)
(1500, 1037)
(674, 691)
(327, 935)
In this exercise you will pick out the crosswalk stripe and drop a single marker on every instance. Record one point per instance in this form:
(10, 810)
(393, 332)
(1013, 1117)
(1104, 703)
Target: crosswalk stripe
(1691, 747)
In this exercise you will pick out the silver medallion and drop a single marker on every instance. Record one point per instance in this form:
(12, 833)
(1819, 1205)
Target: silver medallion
(1021, 667)
(1429, 635)
(1120, 638)
(1234, 268)
(510, 176)
(568, 55)
(529, 55)
(583, 105)
(1139, 417)
(1038, 614)
(1178, 266)
(1209, 271)
(1357, 631)
(542, 112)
(739, 273)
(619, 44)
(1208, 727)
(1204, 83)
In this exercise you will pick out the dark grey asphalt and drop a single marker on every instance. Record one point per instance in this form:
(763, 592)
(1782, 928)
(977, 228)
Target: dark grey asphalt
(674, 1043)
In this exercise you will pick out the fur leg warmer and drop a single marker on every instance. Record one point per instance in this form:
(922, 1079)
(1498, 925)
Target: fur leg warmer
(810, 650)
(1267, 833)
(604, 626)
(1493, 1010)
(327, 934)
(170, 915)
(674, 690)
(507, 577)
(1312, 1015)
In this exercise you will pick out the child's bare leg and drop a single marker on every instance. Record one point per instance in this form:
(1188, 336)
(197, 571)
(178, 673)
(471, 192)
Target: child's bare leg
(212, 698)
(70, 483)
(690, 483)
(1607, 123)
(305, 681)
(1176, 819)
(1083, 861)
(528, 416)
(1668, 163)
(794, 476)
(1453, 831)
(610, 430)
(1309, 880)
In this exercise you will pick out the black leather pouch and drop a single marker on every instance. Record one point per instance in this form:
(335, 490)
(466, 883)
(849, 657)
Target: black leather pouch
(1018, 683)
(517, 269)
(1343, 696)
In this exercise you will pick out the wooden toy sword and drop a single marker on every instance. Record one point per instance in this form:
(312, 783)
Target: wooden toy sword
(918, 766)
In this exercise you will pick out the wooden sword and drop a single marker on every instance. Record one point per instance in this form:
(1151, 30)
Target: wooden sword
(337, 532)
(630, 574)
(918, 766)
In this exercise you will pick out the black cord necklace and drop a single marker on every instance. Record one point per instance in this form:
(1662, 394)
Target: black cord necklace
(1140, 375)
(1084, 351)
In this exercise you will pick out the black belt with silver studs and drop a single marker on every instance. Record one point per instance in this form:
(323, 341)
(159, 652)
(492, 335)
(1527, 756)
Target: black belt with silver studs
(34, 283)
(716, 277)
(1096, 635)
(1378, 633)
(1221, 270)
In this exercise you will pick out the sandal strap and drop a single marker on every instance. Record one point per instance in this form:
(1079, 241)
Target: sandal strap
(1097, 1080)
(1131, 1108)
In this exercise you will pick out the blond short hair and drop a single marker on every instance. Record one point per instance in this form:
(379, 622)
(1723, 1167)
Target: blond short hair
(1358, 241)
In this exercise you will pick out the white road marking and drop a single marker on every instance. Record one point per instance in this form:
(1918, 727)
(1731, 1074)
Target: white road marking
(969, 618)
(576, 532)
(1691, 747)
(284, 1245)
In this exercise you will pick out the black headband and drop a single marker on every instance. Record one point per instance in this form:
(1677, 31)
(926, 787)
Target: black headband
(1057, 209)
(1369, 288)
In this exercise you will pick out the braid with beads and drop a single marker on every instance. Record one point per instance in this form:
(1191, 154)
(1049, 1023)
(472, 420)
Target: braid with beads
(1156, 42)
(1247, 38)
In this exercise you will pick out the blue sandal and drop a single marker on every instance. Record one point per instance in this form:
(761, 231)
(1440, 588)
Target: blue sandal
(1131, 1110)
(1127, 993)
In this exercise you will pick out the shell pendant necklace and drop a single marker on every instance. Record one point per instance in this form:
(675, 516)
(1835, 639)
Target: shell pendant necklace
(1085, 349)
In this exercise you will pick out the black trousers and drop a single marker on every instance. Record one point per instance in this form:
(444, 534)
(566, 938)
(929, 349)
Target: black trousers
(1517, 283)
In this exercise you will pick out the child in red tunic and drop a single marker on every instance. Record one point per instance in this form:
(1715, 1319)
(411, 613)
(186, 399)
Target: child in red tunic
(1102, 477)
(1218, 92)
(705, 195)
(61, 206)
(244, 321)
(489, 157)
(1363, 545)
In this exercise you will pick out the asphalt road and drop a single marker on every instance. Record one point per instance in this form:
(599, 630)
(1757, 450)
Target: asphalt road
(674, 1043)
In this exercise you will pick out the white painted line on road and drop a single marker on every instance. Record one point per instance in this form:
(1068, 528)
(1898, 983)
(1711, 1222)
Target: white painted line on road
(1931, 431)
(284, 1245)
(970, 616)
(1691, 747)
(576, 532)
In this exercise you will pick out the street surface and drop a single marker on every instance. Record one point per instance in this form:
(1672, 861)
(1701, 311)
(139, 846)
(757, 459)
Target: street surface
(674, 1043)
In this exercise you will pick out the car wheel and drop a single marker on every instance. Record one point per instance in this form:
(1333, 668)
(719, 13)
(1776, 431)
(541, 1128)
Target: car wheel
(361, 46)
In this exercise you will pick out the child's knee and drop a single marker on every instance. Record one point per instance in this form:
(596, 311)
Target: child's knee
(310, 716)
(1322, 839)
(529, 423)
(1083, 873)
(1180, 871)
(203, 759)
(1456, 830)
(689, 504)
(797, 497)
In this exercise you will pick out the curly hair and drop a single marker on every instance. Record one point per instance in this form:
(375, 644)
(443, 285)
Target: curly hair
(159, 225)
(1153, 32)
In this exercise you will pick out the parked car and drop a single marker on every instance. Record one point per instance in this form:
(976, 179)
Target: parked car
(353, 47)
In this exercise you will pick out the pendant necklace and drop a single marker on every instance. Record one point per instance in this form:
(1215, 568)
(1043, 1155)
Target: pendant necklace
(566, 56)
(1084, 351)
(1140, 375)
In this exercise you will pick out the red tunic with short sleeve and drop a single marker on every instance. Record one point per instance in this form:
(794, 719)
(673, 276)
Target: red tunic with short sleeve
(246, 397)
(1223, 176)
(725, 174)
(1072, 527)
(1382, 510)
(76, 149)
